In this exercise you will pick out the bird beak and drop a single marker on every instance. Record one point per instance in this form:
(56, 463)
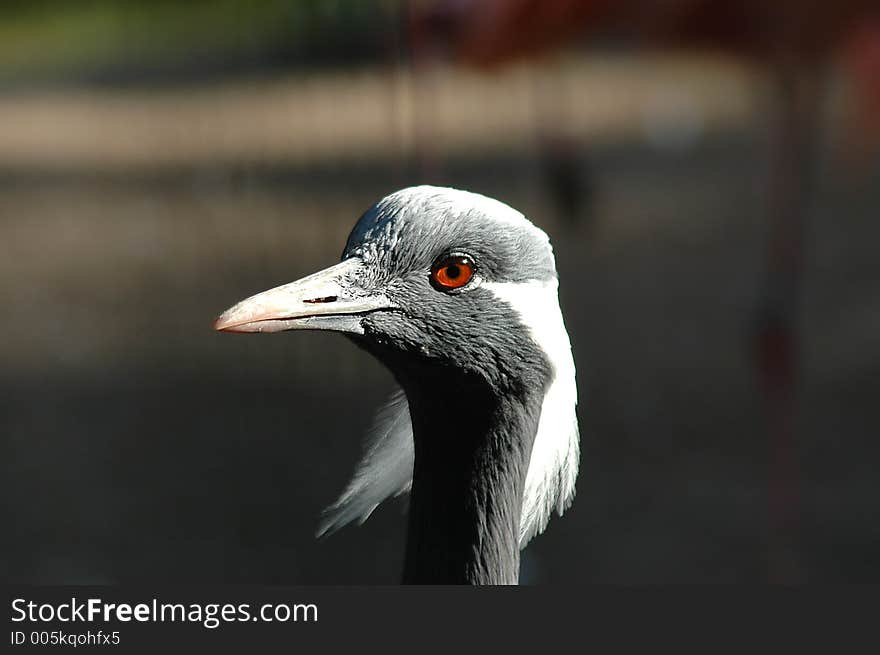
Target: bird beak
(326, 300)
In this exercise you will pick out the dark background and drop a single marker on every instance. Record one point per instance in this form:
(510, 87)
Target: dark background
(159, 161)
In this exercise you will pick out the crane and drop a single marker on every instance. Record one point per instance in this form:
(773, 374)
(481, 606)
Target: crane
(457, 295)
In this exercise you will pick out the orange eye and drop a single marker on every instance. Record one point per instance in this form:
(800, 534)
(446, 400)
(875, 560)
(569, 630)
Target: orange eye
(452, 272)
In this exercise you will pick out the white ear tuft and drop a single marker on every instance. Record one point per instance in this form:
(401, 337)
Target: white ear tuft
(553, 467)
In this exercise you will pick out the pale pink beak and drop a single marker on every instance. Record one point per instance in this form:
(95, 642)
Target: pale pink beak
(327, 300)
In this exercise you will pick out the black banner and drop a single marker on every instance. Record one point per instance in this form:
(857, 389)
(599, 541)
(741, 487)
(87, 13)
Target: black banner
(243, 618)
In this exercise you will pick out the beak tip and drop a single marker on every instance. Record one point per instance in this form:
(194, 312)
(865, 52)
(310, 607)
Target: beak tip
(221, 323)
(232, 321)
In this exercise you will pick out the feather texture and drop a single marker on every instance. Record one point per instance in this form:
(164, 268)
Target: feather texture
(384, 471)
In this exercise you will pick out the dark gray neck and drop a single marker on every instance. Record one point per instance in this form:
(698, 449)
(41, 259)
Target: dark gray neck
(472, 450)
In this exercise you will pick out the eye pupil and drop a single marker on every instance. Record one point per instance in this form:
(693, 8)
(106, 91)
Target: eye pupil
(453, 271)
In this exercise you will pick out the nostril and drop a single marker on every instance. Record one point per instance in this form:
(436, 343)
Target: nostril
(320, 300)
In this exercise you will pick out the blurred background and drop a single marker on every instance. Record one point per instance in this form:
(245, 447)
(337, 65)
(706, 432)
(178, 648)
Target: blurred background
(709, 174)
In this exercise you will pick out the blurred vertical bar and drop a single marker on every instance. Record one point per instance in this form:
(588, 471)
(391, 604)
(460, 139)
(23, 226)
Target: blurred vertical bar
(794, 121)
